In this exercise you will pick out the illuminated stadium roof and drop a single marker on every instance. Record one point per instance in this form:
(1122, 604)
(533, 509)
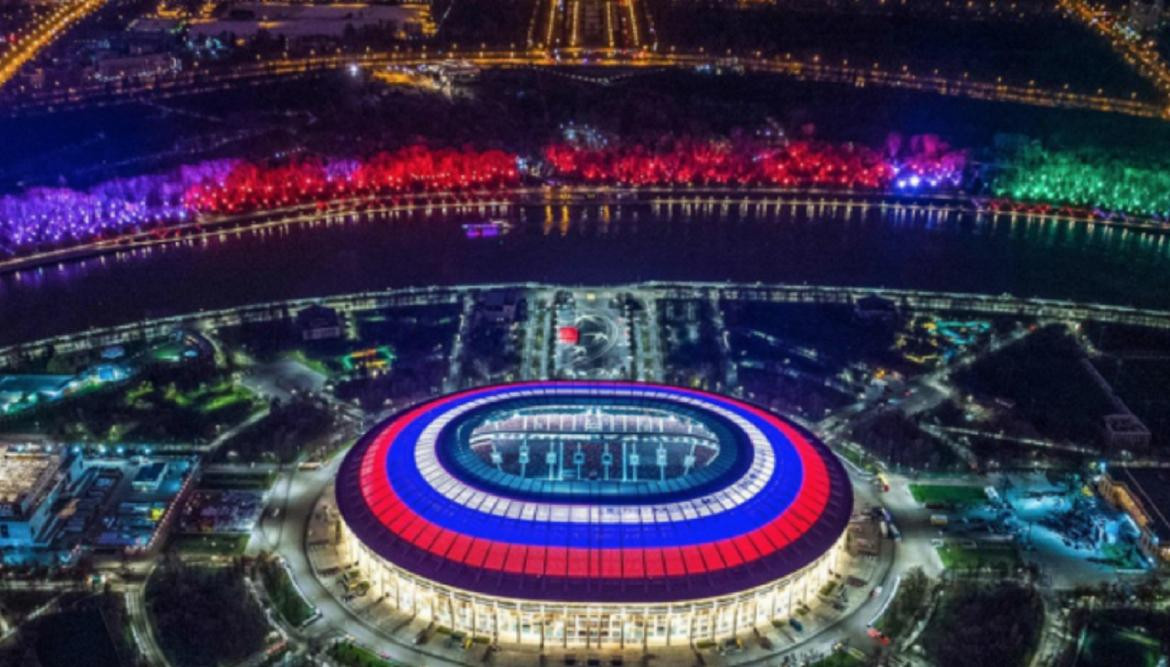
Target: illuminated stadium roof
(766, 500)
(592, 427)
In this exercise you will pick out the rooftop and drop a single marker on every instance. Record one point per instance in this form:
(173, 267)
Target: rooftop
(1152, 487)
(1125, 423)
(303, 20)
(24, 473)
(19, 385)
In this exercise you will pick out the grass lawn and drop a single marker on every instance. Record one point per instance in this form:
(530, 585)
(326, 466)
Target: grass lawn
(1108, 644)
(1123, 556)
(860, 460)
(221, 395)
(352, 655)
(947, 493)
(88, 641)
(214, 545)
(316, 365)
(839, 659)
(18, 604)
(958, 557)
(135, 393)
(285, 596)
(230, 481)
(237, 394)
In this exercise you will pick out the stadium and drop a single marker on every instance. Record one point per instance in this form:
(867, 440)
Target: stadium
(592, 514)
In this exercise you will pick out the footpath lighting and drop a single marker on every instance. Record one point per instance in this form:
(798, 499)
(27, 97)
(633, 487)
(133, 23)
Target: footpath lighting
(1079, 184)
(809, 69)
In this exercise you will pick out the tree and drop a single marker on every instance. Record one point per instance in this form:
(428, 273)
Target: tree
(907, 606)
(205, 616)
(977, 626)
(1149, 590)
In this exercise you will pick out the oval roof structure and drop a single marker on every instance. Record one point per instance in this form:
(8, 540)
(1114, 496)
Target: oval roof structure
(769, 502)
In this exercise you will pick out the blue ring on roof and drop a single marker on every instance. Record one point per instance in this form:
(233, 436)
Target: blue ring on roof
(732, 461)
(778, 494)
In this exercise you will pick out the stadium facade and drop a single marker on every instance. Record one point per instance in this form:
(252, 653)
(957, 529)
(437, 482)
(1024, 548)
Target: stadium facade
(593, 514)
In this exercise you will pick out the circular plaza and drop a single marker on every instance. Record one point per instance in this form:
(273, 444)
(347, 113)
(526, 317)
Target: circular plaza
(592, 514)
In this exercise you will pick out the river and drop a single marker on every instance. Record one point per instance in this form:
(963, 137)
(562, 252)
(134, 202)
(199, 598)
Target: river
(595, 243)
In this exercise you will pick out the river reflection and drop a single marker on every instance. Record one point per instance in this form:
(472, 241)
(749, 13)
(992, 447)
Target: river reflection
(692, 238)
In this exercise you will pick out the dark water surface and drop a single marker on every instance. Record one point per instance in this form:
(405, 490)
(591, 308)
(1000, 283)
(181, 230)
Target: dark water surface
(595, 244)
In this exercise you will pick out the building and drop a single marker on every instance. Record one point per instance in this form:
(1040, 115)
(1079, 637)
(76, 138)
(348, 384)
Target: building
(304, 23)
(592, 514)
(1121, 430)
(1143, 494)
(149, 477)
(135, 66)
(864, 535)
(873, 307)
(319, 323)
(502, 306)
(19, 392)
(1145, 16)
(31, 482)
(1125, 432)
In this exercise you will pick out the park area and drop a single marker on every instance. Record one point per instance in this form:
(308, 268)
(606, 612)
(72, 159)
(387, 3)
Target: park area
(839, 659)
(1043, 378)
(95, 625)
(285, 596)
(190, 403)
(205, 398)
(209, 545)
(300, 427)
(204, 616)
(976, 625)
(909, 604)
(1046, 50)
(349, 654)
(1108, 644)
(971, 556)
(947, 494)
(1132, 636)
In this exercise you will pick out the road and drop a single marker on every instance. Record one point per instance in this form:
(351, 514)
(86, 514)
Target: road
(909, 300)
(920, 394)
(610, 24)
(217, 79)
(141, 627)
(33, 39)
(1141, 52)
(286, 534)
(283, 380)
